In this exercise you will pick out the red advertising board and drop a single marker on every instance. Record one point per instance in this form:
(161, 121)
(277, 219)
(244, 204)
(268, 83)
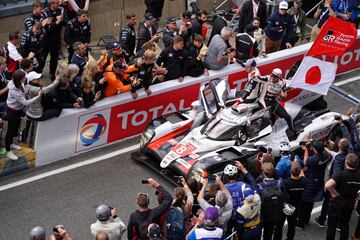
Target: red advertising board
(131, 118)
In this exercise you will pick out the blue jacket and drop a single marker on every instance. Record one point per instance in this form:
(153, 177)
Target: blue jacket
(236, 192)
(314, 175)
(283, 167)
(344, 6)
(206, 233)
(276, 20)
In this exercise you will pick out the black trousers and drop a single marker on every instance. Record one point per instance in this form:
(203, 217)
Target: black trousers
(14, 118)
(325, 207)
(52, 47)
(278, 109)
(340, 213)
(273, 229)
(292, 220)
(305, 214)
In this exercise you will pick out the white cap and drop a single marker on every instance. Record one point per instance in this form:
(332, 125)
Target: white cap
(33, 75)
(283, 5)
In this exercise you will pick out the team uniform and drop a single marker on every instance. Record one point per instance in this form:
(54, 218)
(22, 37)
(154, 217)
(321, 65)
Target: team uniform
(76, 31)
(33, 43)
(128, 40)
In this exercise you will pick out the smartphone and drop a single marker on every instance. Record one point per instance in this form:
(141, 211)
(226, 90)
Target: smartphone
(212, 179)
(144, 182)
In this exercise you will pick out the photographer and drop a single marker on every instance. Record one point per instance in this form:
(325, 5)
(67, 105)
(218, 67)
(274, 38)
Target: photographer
(337, 165)
(314, 175)
(218, 54)
(223, 201)
(114, 229)
(60, 233)
(141, 218)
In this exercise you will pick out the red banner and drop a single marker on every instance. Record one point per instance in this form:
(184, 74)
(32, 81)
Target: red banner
(131, 118)
(335, 37)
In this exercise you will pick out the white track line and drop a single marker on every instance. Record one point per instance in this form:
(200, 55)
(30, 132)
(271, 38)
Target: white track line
(346, 81)
(68, 168)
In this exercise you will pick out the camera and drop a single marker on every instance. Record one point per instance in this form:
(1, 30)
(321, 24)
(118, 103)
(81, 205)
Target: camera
(337, 117)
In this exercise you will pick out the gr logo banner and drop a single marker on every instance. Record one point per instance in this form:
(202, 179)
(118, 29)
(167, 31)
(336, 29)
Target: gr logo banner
(92, 130)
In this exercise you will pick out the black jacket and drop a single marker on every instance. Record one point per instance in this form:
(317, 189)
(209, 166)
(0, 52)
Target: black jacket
(31, 43)
(77, 32)
(138, 222)
(168, 37)
(53, 31)
(247, 14)
(246, 46)
(144, 35)
(60, 98)
(197, 26)
(174, 61)
(195, 66)
(29, 21)
(217, 27)
(154, 7)
(128, 39)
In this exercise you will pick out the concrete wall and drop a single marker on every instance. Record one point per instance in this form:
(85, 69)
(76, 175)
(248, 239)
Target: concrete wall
(107, 16)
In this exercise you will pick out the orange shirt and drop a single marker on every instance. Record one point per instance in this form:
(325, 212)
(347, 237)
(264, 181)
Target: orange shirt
(115, 82)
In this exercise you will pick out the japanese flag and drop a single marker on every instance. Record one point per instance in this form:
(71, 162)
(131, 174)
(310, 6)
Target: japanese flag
(314, 75)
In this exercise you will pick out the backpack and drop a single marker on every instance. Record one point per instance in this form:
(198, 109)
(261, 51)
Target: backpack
(175, 227)
(272, 201)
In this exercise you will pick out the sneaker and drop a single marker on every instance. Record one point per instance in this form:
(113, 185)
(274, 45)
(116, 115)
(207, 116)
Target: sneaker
(15, 147)
(2, 151)
(319, 223)
(11, 156)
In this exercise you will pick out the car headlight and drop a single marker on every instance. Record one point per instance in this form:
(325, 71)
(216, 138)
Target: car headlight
(147, 135)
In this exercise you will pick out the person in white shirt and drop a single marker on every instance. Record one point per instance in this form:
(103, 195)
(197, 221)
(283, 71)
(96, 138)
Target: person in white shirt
(114, 229)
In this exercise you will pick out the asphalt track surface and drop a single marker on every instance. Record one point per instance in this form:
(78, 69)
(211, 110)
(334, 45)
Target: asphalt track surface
(70, 197)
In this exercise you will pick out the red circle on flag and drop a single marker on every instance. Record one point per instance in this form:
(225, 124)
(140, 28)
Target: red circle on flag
(313, 75)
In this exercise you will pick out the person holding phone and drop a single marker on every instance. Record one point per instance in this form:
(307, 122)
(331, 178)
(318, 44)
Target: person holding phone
(223, 201)
(140, 219)
(323, 12)
(60, 233)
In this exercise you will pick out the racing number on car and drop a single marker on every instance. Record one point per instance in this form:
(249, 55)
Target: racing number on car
(184, 150)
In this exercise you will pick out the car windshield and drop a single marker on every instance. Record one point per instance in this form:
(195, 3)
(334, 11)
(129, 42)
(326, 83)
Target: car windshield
(220, 130)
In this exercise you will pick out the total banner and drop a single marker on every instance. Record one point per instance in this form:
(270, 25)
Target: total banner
(114, 119)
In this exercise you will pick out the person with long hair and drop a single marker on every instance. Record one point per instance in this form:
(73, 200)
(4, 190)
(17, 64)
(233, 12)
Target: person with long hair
(16, 101)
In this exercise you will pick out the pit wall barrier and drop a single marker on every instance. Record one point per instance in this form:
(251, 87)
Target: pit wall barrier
(116, 118)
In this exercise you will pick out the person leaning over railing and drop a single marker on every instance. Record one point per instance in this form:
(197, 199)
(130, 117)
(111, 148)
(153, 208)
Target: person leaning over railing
(16, 101)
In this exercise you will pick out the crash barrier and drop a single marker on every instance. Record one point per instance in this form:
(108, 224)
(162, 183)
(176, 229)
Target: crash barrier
(119, 117)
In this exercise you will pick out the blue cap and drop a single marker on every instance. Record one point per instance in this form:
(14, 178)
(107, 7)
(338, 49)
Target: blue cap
(115, 46)
(248, 194)
(120, 64)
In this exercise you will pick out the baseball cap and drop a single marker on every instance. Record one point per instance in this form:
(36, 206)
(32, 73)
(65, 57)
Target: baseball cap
(115, 46)
(170, 20)
(211, 215)
(149, 17)
(283, 5)
(33, 75)
(248, 194)
(120, 64)
(154, 231)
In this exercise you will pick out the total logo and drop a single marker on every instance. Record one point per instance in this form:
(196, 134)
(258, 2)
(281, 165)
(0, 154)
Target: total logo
(93, 130)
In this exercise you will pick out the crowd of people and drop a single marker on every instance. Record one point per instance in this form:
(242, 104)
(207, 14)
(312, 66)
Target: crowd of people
(132, 63)
(239, 204)
(249, 208)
